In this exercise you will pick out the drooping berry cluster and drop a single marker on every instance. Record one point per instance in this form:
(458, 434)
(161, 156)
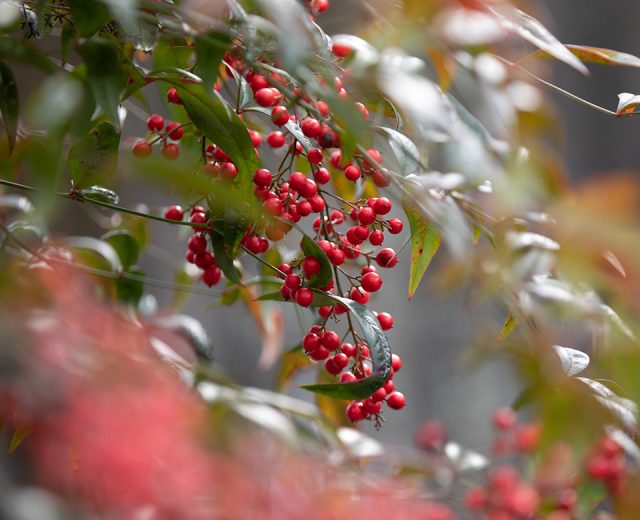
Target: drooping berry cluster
(348, 233)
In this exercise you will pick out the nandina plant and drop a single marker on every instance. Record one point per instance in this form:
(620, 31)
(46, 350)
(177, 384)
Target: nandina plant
(303, 167)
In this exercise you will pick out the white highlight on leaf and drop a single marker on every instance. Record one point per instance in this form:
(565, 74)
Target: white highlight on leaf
(525, 239)
(573, 361)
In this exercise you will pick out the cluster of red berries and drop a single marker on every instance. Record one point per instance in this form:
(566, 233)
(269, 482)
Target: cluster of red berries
(512, 437)
(348, 232)
(168, 136)
(607, 464)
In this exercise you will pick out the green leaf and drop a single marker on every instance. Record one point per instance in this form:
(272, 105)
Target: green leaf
(95, 252)
(125, 245)
(130, 291)
(25, 52)
(100, 194)
(380, 352)
(598, 55)
(290, 363)
(105, 75)
(215, 118)
(210, 49)
(88, 16)
(425, 242)
(94, 159)
(19, 434)
(9, 103)
(246, 95)
(404, 149)
(508, 327)
(224, 258)
(324, 277)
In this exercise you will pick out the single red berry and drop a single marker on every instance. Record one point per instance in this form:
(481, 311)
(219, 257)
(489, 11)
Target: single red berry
(325, 311)
(174, 213)
(204, 260)
(322, 176)
(504, 419)
(336, 257)
(308, 189)
(211, 275)
(173, 96)
(141, 149)
(396, 400)
(197, 243)
(387, 258)
(304, 297)
(358, 294)
(386, 320)
(273, 206)
(475, 499)
(253, 244)
(170, 151)
(314, 156)
(372, 406)
(371, 282)
(347, 377)
(311, 127)
(352, 172)
(175, 131)
(256, 138)
(292, 281)
(395, 226)
(527, 437)
(265, 97)
(524, 501)
(331, 367)
(431, 435)
(396, 362)
(323, 108)
(297, 180)
(262, 177)
(304, 208)
(285, 292)
(155, 123)
(348, 349)
(311, 265)
(280, 115)
(319, 354)
(382, 206)
(276, 139)
(389, 386)
(317, 205)
(355, 412)
(366, 216)
(340, 360)
(228, 171)
(336, 160)
(363, 110)
(341, 50)
(381, 179)
(310, 342)
(330, 340)
(379, 395)
(220, 155)
(258, 82)
(376, 237)
(319, 5)
(198, 218)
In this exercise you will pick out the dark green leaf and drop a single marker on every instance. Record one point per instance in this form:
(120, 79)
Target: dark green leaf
(95, 252)
(125, 245)
(224, 258)
(324, 277)
(9, 103)
(94, 159)
(105, 75)
(66, 41)
(425, 242)
(210, 49)
(88, 16)
(129, 291)
(380, 358)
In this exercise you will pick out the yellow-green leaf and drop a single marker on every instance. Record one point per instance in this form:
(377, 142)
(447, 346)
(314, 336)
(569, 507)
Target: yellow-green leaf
(425, 242)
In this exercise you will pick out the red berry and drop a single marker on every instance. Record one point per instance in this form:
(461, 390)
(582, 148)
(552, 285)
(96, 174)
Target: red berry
(330, 340)
(320, 5)
(341, 50)
(311, 265)
(382, 206)
(308, 189)
(292, 281)
(371, 282)
(376, 237)
(304, 208)
(348, 349)
(197, 243)
(355, 412)
(211, 275)
(319, 354)
(366, 216)
(254, 244)
(265, 97)
(386, 320)
(310, 127)
(381, 179)
(198, 218)
(336, 257)
(175, 131)
(396, 400)
(372, 406)
(431, 435)
(322, 176)
(323, 108)
(389, 386)
(310, 342)
(347, 377)
(276, 139)
(527, 437)
(317, 205)
(220, 155)
(173, 96)
(396, 363)
(304, 297)
(262, 177)
(155, 123)
(228, 170)
(387, 258)
(280, 116)
(504, 419)
(314, 156)
(475, 498)
(395, 226)
(273, 206)
(331, 367)
(141, 149)
(358, 294)
(352, 172)
(340, 360)
(204, 260)
(363, 110)
(524, 501)
(174, 213)
(170, 151)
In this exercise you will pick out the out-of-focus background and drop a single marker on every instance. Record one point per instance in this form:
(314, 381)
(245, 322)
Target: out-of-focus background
(433, 331)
